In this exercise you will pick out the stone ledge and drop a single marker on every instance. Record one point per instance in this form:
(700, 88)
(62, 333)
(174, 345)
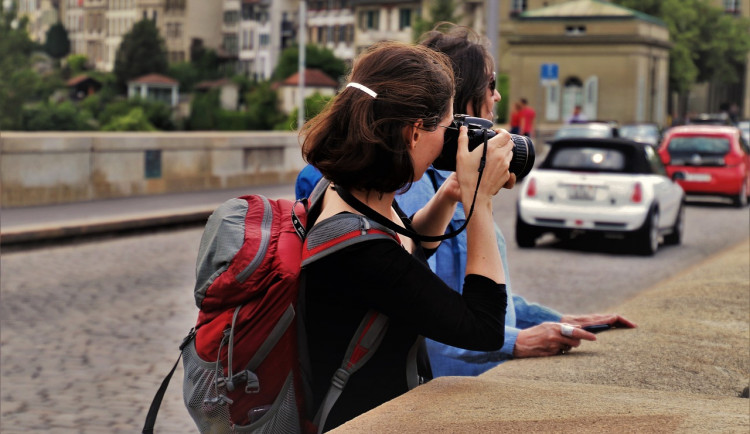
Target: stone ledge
(681, 370)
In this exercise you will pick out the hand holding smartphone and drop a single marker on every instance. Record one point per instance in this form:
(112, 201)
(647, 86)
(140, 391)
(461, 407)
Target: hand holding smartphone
(597, 328)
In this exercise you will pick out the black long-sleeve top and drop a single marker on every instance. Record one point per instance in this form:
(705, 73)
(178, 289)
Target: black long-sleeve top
(380, 274)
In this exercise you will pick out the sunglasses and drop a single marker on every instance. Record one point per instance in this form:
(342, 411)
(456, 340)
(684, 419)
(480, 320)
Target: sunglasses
(493, 81)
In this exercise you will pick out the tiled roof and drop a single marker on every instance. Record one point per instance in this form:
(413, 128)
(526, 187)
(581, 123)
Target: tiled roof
(313, 77)
(79, 79)
(154, 79)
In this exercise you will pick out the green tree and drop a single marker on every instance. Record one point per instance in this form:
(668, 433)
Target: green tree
(441, 10)
(141, 52)
(75, 64)
(314, 104)
(204, 111)
(57, 43)
(709, 45)
(315, 57)
(262, 108)
(64, 116)
(17, 79)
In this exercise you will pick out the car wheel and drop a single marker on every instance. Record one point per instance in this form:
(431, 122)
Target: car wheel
(525, 234)
(675, 237)
(646, 239)
(740, 201)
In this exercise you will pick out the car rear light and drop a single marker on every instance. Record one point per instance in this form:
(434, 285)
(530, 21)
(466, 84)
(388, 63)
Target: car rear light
(732, 160)
(637, 195)
(531, 188)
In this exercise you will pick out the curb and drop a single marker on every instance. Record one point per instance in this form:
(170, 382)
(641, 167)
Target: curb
(86, 228)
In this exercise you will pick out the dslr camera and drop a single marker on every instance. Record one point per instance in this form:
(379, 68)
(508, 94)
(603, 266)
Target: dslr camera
(479, 131)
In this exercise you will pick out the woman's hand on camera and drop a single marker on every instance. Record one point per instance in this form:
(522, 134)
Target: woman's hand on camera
(495, 174)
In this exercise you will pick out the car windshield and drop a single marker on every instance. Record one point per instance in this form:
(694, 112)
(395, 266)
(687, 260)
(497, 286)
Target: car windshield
(709, 145)
(588, 158)
(584, 131)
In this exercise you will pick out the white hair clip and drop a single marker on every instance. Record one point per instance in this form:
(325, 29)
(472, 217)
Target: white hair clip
(363, 88)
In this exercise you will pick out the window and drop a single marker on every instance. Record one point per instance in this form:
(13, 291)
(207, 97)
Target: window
(575, 30)
(404, 19)
(265, 39)
(369, 20)
(732, 7)
(517, 6)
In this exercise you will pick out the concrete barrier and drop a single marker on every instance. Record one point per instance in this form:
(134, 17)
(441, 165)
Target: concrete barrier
(684, 369)
(58, 167)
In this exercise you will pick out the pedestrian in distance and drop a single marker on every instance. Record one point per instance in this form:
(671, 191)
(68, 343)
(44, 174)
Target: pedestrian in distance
(515, 118)
(531, 330)
(578, 116)
(528, 115)
(376, 137)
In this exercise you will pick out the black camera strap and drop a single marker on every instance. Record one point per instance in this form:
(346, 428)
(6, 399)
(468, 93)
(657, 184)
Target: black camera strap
(383, 220)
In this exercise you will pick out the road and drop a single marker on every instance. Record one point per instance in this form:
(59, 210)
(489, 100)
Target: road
(89, 330)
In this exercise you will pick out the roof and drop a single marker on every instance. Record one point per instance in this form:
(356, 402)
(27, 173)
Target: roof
(587, 9)
(78, 79)
(313, 78)
(154, 79)
(211, 84)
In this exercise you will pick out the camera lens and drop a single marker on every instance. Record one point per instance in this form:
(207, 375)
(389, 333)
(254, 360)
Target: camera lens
(523, 156)
(523, 148)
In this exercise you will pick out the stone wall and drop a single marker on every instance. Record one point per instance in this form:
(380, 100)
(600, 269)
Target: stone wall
(57, 167)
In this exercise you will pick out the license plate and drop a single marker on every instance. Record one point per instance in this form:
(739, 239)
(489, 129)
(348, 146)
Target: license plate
(698, 177)
(581, 192)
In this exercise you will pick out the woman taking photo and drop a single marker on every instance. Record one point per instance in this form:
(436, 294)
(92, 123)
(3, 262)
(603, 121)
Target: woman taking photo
(381, 133)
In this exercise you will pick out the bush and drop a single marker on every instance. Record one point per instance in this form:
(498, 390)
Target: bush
(55, 117)
(314, 104)
(503, 86)
(158, 114)
(134, 120)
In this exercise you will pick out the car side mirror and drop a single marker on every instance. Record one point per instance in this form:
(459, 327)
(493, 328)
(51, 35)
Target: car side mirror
(678, 176)
(664, 158)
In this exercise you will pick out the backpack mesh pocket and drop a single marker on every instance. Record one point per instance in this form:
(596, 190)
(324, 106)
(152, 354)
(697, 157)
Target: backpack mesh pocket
(199, 390)
(201, 397)
(281, 417)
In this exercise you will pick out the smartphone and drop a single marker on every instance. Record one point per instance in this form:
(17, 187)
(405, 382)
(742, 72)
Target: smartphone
(597, 328)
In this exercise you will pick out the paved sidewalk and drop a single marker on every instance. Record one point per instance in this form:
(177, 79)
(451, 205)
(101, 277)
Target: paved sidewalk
(61, 221)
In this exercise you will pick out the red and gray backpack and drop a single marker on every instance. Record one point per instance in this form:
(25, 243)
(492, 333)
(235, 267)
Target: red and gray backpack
(245, 361)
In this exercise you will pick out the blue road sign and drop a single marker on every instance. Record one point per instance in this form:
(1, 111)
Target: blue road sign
(548, 73)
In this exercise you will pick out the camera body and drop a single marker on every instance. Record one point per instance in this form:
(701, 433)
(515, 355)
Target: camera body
(479, 131)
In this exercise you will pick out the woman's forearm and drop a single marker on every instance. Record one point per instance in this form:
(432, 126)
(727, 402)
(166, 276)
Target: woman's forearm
(483, 257)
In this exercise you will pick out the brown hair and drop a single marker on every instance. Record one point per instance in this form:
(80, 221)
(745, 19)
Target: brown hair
(359, 141)
(471, 60)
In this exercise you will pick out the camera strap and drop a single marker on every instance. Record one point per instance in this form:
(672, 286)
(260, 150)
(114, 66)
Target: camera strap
(358, 205)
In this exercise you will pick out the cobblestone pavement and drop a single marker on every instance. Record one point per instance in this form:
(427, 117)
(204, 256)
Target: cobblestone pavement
(81, 356)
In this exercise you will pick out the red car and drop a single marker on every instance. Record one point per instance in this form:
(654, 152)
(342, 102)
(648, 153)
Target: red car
(708, 160)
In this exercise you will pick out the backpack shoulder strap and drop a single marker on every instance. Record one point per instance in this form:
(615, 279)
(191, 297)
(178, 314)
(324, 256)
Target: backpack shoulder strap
(361, 348)
(323, 239)
(153, 410)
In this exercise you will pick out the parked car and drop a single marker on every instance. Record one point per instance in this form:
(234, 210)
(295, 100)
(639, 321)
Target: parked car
(617, 188)
(713, 160)
(744, 126)
(709, 119)
(642, 132)
(593, 129)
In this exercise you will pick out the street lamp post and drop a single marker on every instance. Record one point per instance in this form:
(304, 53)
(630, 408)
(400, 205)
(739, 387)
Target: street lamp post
(301, 82)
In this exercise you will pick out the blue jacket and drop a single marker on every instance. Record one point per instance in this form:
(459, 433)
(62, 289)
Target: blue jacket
(449, 262)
